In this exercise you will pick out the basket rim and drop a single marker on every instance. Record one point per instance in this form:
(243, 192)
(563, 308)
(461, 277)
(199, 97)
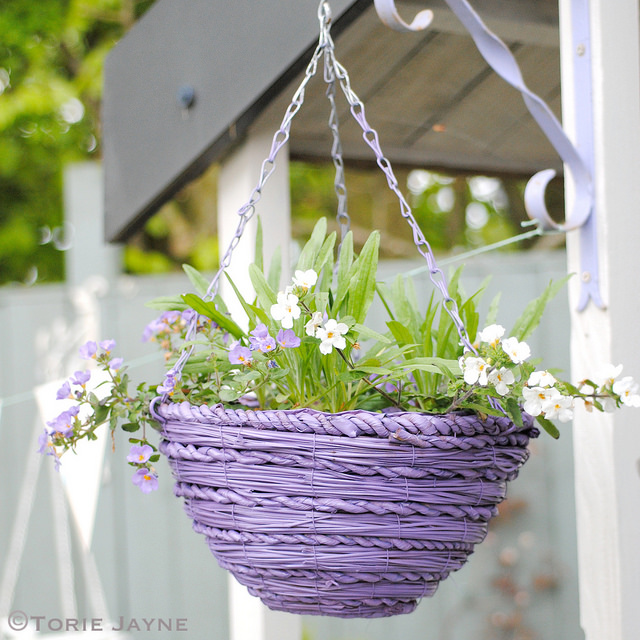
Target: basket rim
(403, 426)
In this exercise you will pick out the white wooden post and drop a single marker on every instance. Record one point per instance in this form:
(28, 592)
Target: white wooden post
(249, 619)
(89, 254)
(606, 446)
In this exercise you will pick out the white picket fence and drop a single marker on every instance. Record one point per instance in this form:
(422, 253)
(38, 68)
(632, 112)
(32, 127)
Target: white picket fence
(148, 571)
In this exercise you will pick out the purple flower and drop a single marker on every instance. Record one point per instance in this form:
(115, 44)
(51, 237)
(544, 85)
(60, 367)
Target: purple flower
(62, 424)
(161, 324)
(272, 364)
(240, 355)
(261, 340)
(107, 345)
(261, 331)
(288, 339)
(43, 442)
(64, 391)
(139, 453)
(81, 377)
(88, 350)
(46, 448)
(145, 479)
(115, 363)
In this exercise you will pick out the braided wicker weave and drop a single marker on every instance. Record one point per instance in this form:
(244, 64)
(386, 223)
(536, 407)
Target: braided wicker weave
(355, 514)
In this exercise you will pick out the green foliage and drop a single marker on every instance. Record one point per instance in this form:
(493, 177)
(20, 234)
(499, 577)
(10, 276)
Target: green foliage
(51, 60)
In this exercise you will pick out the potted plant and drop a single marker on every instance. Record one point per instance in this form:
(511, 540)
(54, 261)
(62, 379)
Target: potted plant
(333, 467)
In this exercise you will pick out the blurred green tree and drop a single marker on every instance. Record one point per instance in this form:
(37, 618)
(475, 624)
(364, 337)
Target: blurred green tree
(51, 58)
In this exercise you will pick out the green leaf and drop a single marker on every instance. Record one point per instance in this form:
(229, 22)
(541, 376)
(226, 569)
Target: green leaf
(167, 303)
(248, 309)
(325, 254)
(131, 427)
(209, 310)
(514, 411)
(101, 413)
(436, 365)
(401, 334)
(275, 269)
(351, 375)
(229, 395)
(199, 282)
(378, 371)
(480, 408)
(266, 295)
(345, 261)
(548, 426)
(366, 333)
(310, 250)
(259, 256)
(530, 318)
(492, 314)
(321, 299)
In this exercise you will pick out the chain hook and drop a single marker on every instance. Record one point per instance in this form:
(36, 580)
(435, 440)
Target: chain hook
(324, 13)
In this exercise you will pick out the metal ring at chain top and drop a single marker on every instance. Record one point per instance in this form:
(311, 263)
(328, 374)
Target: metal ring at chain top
(333, 70)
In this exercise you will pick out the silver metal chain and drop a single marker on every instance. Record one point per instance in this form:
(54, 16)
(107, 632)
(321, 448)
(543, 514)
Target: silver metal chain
(342, 216)
(334, 72)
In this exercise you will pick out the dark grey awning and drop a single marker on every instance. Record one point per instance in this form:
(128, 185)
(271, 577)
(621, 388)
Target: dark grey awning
(431, 96)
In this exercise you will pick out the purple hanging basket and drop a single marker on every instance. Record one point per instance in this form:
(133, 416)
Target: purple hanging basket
(355, 514)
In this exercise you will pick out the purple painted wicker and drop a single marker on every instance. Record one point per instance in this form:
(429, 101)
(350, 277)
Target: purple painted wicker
(355, 514)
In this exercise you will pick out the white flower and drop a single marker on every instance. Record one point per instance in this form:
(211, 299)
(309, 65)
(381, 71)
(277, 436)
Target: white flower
(541, 379)
(313, 324)
(500, 379)
(560, 407)
(608, 374)
(475, 370)
(517, 351)
(305, 279)
(286, 310)
(535, 397)
(586, 403)
(331, 335)
(491, 334)
(627, 389)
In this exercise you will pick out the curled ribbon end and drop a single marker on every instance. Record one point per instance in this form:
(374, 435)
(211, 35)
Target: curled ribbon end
(389, 15)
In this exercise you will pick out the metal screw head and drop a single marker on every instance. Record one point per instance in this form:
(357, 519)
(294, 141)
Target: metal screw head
(186, 96)
(586, 276)
(581, 49)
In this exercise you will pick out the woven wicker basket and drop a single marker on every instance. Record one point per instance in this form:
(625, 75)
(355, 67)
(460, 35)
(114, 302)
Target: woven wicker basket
(355, 514)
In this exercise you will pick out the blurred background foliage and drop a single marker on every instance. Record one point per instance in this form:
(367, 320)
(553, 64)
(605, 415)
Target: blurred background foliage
(51, 59)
